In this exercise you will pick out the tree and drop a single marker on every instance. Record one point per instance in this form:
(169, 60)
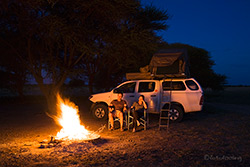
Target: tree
(13, 77)
(128, 49)
(52, 38)
(201, 66)
(48, 40)
(13, 74)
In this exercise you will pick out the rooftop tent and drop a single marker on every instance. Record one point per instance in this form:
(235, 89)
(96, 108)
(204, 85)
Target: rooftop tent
(170, 62)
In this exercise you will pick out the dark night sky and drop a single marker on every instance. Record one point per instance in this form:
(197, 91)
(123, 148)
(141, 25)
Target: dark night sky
(222, 27)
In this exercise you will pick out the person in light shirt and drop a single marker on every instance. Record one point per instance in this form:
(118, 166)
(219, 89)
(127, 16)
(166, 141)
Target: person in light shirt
(116, 109)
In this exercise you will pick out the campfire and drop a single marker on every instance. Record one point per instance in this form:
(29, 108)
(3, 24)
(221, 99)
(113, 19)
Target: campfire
(72, 129)
(68, 118)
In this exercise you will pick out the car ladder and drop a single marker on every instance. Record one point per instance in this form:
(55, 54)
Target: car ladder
(165, 112)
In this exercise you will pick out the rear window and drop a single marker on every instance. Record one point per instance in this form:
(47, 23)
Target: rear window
(191, 85)
(146, 87)
(176, 85)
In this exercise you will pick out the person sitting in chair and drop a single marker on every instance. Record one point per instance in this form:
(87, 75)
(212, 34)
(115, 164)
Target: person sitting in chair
(116, 109)
(138, 111)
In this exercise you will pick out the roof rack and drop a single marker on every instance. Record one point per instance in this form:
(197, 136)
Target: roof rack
(149, 76)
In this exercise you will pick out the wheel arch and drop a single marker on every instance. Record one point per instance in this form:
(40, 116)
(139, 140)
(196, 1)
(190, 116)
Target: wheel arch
(166, 105)
(98, 102)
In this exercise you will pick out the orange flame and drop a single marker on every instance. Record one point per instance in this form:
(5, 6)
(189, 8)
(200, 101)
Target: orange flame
(68, 118)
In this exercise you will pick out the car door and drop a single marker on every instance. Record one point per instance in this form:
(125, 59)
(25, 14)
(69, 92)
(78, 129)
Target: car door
(194, 94)
(128, 90)
(147, 89)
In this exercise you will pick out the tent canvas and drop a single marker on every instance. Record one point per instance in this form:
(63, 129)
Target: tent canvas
(170, 61)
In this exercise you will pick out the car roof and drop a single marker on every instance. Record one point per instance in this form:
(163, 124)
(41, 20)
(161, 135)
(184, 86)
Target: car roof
(168, 79)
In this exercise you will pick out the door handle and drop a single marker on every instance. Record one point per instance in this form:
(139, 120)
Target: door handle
(153, 95)
(132, 96)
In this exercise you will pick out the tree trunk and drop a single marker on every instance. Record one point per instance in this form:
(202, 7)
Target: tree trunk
(51, 99)
(50, 92)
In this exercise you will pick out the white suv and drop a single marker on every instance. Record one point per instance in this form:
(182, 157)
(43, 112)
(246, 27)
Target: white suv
(186, 96)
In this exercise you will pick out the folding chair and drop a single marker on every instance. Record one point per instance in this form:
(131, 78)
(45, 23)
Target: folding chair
(143, 120)
(117, 119)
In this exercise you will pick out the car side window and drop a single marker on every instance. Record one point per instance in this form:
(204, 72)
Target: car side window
(176, 85)
(191, 85)
(146, 87)
(126, 88)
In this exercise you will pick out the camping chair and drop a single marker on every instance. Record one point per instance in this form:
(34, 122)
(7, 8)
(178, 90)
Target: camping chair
(143, 120)
(116, 119)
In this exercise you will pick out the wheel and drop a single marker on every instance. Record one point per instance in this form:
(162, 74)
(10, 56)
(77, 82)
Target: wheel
(176, 113)
(100, 111)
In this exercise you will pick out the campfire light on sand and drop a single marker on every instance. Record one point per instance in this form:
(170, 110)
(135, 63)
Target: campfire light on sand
(68, 118)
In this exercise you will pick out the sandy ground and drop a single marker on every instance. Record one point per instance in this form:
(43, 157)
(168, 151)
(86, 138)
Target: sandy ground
(217, 136)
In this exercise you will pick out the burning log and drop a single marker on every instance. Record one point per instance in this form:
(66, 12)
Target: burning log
(52, 143)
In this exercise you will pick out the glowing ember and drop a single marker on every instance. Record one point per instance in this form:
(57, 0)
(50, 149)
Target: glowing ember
(69, 120)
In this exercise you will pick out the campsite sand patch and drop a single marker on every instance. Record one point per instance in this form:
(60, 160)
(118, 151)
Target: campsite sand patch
(217, 136)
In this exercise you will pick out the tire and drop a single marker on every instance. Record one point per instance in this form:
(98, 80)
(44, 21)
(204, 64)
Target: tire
(176, 113)
(100, 111)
